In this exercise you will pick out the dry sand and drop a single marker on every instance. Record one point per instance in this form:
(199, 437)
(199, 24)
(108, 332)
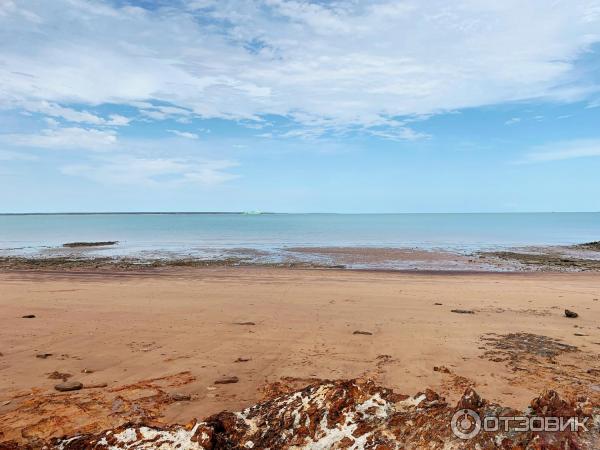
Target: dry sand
(150, 335)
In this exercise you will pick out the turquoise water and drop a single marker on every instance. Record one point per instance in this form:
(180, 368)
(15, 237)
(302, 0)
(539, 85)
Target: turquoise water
(199, 234)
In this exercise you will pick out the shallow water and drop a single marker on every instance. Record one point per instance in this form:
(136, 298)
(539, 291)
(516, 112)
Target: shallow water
(218, 235)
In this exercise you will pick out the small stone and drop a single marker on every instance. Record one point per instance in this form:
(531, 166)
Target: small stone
(43, 355)
(366, 333)
(442, 369)
(462, 311)
(244, 323)
(29, 316)
(227, 380)
(178, 397)
(239, 360)
(84, 370)
(438, 304)
(68, 386)
(59, 376)
(571, 314)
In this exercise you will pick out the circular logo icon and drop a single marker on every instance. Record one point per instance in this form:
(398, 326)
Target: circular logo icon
(466, 423)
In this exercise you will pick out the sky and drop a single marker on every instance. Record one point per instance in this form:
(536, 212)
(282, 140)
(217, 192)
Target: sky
(299, 106)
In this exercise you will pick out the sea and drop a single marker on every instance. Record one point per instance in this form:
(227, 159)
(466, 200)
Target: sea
(269, 237)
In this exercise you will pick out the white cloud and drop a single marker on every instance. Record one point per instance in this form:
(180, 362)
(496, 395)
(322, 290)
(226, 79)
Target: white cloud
(512, 121)
(64, 138)
(578, 148)
(73, 115)
(343, 64)
(154, 171)
(184, 134)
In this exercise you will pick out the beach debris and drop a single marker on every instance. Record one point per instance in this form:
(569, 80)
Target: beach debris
(240, 360)
(89, 244)
(29, 316)
(535, 351)
(43, 355)
(179, 397)
(350, 414)
(442, 369)
(68, 386)
(366, 333)
(59, 376)
(462, 311)
(244, 323)
(571, 314)
(227, 380)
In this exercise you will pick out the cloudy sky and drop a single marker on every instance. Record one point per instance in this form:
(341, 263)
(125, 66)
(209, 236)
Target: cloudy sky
(299, 106)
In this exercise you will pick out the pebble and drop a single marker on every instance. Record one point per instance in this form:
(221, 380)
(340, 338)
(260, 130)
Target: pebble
(462, 311)
(178, 397)
(570, 314)
(68, 386)
(244, 323)
(227, 380)
(29, 316)
(43, 355)
(242, 360)
(366, 333)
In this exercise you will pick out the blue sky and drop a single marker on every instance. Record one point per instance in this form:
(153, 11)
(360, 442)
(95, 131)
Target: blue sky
(299, 106)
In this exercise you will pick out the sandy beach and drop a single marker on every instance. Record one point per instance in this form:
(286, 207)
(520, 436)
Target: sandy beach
(143, 337)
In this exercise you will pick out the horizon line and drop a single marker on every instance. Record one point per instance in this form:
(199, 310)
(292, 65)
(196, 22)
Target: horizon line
(91, 213)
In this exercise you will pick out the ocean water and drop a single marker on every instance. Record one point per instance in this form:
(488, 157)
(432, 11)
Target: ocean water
(206, 235)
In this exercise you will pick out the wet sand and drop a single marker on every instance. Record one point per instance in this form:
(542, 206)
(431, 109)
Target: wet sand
(151, 334)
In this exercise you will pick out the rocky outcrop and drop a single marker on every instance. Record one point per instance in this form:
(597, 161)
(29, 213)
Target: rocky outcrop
(351, 414)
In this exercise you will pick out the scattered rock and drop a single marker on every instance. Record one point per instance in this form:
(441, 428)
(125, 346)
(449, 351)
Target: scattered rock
(43, 355)
(84, 370)
(89, 244)
(579, 334)
(593, 371)
(462, 311)
(366, 333)
(438, 304)
(68, 386)
(59, 376)
(442, 369)
(227, 380)
(239, 360)
(570, 314)
(178, 397)
(244, 323)
(29, 316)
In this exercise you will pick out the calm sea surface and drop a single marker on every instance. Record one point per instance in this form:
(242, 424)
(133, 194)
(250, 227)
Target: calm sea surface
(205, 234)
